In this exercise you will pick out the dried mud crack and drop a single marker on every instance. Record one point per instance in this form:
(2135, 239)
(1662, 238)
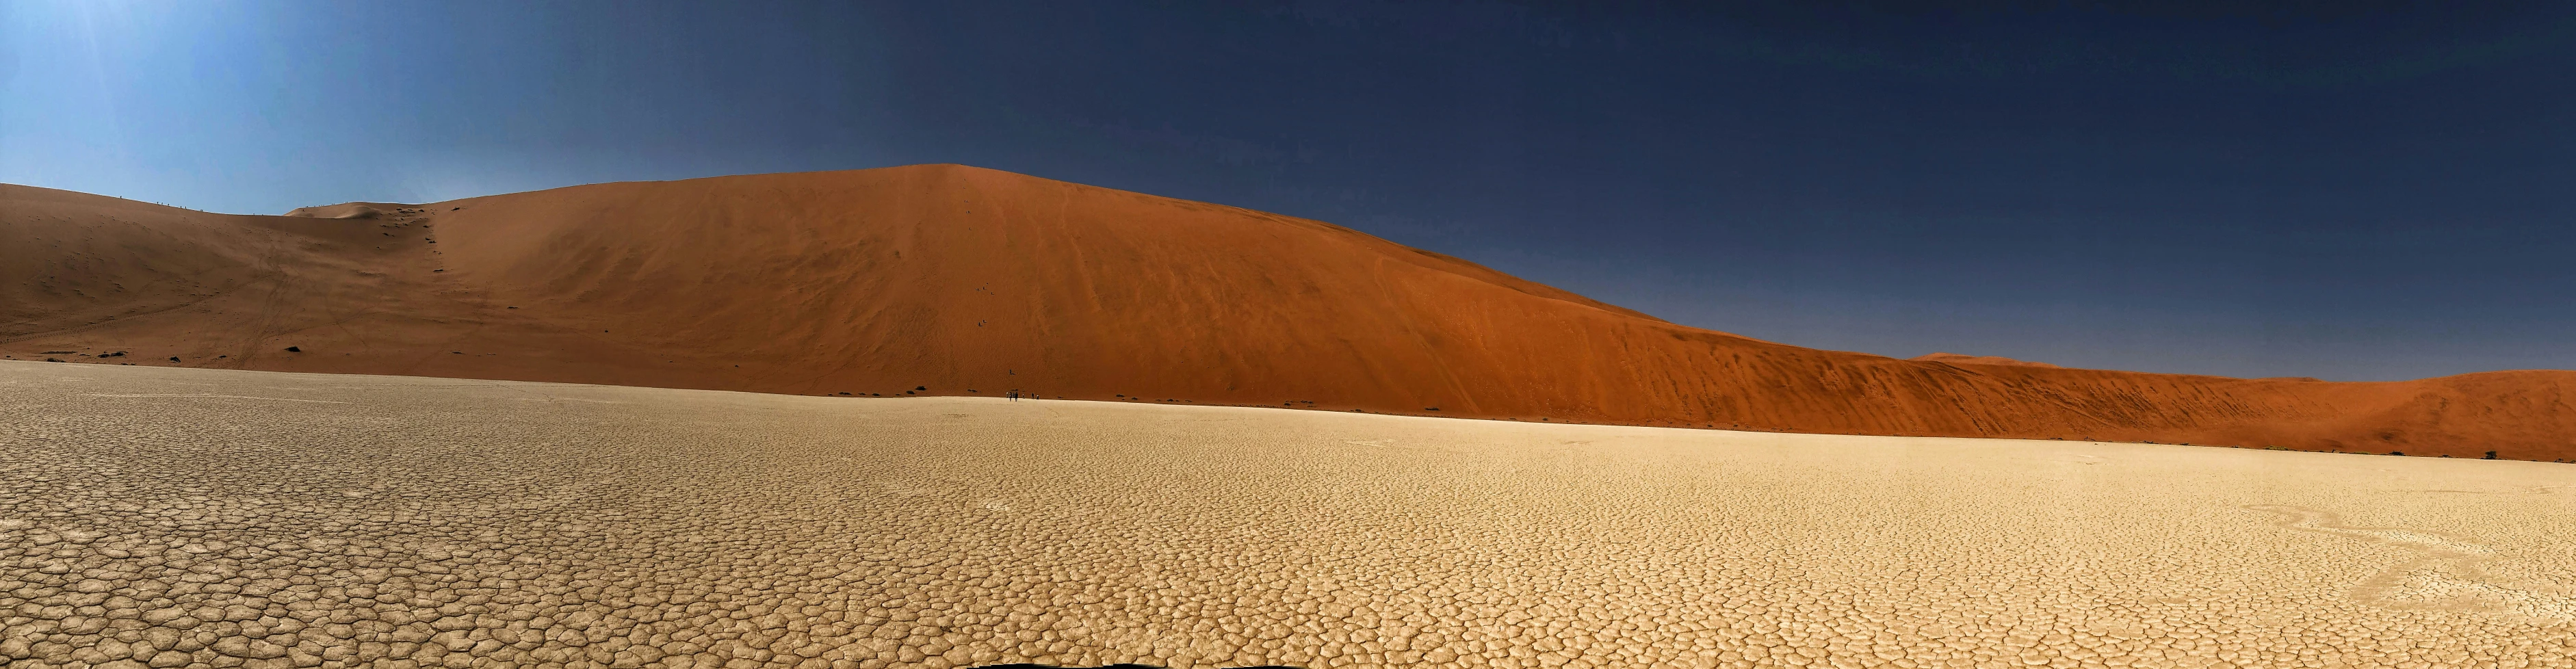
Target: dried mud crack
(177, 518)
(1112, 666)
(2446, 573)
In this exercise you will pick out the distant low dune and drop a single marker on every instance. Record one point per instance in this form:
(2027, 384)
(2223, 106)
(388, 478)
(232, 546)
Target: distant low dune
(953, 280)
(350, 210)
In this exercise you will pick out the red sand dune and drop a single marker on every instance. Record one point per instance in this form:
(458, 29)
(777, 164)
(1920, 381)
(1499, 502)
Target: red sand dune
(963, 280)
(1961, 359)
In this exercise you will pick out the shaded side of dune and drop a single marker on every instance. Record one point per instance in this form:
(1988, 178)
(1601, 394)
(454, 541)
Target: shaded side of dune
(951, 280)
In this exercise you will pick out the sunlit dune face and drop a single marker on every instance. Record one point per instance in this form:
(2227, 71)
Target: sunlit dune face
(955, 280)
(169, 517)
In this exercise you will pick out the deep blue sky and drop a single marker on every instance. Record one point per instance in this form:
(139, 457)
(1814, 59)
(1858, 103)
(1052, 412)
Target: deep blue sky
(2348, 190)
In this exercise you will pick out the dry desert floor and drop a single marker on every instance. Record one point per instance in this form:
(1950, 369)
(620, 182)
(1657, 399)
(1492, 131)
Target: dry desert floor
(157, 517)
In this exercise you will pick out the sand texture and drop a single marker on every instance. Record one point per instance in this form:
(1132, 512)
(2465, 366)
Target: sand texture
(952, 280)
(166, 517)
(1959, 359)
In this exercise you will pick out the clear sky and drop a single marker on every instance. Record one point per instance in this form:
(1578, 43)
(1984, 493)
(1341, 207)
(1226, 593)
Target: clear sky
(2349, 190)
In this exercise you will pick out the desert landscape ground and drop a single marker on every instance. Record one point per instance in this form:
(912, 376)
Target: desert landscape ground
(958, 281)
(166, 517)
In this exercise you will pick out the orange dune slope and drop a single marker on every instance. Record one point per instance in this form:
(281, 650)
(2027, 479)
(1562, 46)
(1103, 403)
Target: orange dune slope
(1959, 359)
(953, 280)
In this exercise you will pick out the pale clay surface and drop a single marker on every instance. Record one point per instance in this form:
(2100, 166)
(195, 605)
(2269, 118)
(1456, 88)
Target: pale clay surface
(175, 517)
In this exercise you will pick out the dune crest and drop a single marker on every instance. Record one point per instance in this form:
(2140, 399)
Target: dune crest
(953, 280)
(1959, 359)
